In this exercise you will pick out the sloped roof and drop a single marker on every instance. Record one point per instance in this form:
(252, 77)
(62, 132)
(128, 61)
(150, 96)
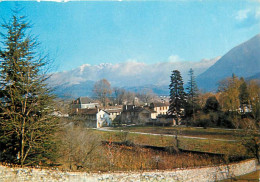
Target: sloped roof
(160, 104)
(149, 110)
(113, 110)
(140, 109)
(88, 111)
(85, 100)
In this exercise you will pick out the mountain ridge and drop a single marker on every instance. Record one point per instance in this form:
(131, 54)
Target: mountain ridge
(242, 60)
(125, 75)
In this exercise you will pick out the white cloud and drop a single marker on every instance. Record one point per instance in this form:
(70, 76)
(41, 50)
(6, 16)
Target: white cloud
(174, 58)
(248, 17)
(82, 67)
(242, 14)
(257, 12)
(132, 72)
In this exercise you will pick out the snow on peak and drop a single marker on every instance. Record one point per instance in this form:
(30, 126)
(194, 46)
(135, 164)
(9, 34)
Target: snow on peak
(129, 72)
(82, 67)
(103, 65)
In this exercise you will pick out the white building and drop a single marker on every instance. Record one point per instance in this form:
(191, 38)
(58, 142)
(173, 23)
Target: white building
(160, 108)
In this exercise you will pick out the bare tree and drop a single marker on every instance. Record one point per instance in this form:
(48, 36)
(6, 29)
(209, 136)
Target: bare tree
(146, 95)
(119, 95)
(130, 98)
(102, 90)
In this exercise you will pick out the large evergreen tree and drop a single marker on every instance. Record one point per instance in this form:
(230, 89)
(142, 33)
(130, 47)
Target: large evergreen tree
(177, 96)
(192, 91)
(26, 123)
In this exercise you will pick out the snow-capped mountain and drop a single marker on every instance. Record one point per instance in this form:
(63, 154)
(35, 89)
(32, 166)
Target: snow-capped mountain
(79, 81)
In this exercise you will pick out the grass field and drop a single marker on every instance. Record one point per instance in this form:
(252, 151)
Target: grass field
(85, 149)
(195, 144)
(213, 133)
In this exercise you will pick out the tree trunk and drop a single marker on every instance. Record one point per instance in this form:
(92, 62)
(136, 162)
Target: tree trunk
(22, 146)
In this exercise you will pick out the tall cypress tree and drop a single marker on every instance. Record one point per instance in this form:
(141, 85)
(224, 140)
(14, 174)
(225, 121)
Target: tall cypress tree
(243, 94)
(192, 91)
(177, 95)
(26, 103)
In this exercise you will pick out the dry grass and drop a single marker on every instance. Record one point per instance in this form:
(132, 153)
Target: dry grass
(202, 145)
(82, 150)
(112, 157)
(211, 133)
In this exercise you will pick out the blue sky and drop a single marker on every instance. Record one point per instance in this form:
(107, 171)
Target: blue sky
(76, 33)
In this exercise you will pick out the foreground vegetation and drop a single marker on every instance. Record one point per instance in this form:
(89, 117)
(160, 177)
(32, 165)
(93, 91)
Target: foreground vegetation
(96, 150)
(83, 149)
(194, 144)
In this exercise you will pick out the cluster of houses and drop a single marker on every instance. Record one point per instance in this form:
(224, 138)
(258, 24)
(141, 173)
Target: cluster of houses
(96, 116)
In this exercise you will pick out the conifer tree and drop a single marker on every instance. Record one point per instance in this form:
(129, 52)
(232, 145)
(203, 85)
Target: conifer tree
(26, 123)
(192, 91)
(243, 93)
(177, 96)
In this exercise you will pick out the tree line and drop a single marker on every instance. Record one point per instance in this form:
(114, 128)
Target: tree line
(107, 95)
(236, 104)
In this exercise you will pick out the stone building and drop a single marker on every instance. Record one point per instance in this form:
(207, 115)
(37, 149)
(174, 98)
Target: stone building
(94, 118)
(137, 115)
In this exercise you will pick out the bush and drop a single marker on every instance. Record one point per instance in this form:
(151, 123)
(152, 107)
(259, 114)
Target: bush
(212, 105)
(79, 145)
(214, 119)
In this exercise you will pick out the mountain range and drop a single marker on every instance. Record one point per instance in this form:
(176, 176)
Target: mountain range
(130, 75)
(243, 61)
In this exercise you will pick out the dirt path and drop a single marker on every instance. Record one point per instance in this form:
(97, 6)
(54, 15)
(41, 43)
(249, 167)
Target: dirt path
(179, 136)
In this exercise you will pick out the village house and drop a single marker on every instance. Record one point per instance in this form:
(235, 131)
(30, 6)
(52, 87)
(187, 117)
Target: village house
(113, 112)
(94, 118)
(165, 120)
(84, 103)
(155, 114)
(245, 109)
(137, 115)
(160, 108)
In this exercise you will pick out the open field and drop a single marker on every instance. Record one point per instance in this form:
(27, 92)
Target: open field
(89, 152)
(195, 144)
(116, 150)
(213, 133)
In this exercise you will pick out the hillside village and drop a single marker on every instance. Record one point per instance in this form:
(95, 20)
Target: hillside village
(96, 116)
